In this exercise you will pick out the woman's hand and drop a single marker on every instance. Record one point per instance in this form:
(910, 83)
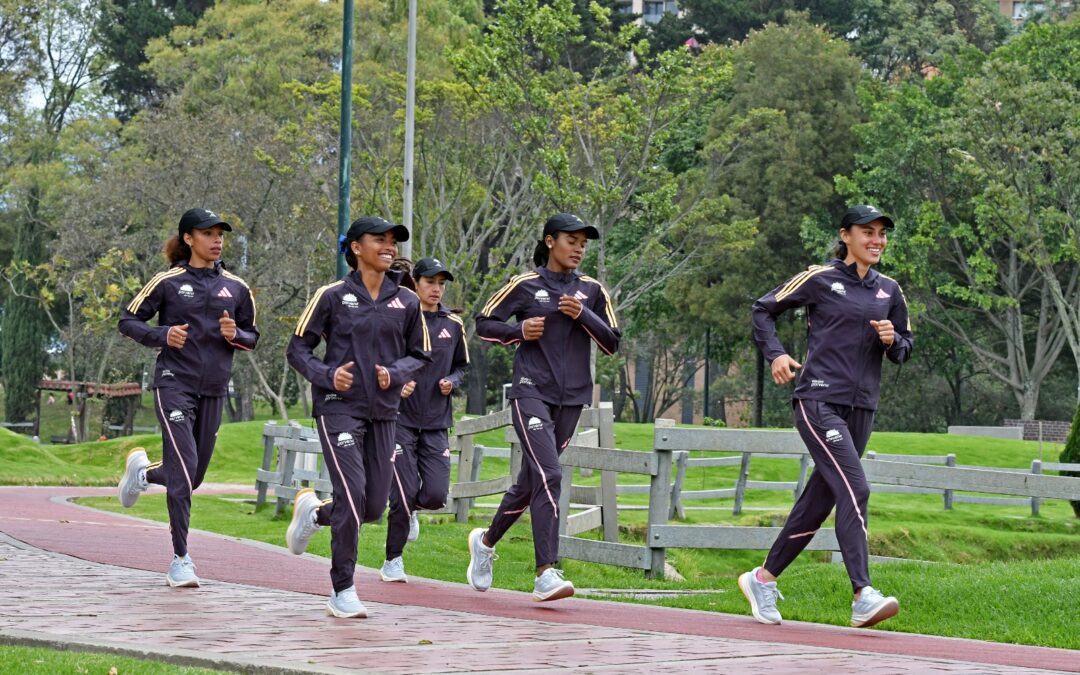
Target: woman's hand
(532, 329)
(177, 336)
(885, 331)
(570, 306)
(783, 369)
(408, 389)
(228, 327)
(343, 378)
(383, 376)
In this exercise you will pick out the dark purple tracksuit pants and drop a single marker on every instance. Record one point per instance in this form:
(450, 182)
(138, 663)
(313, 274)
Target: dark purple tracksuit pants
(359, 455)
(836, 437)
(544, 431)
(421, 481)
(189, 427)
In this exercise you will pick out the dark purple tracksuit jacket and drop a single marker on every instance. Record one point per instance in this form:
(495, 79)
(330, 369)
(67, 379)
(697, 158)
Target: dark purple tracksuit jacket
(422, 464)
(356, 427)
(190, 383)
(835, 398)
(552, 381)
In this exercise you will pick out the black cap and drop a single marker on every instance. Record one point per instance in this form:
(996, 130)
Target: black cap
(862, 214)
(429, 267)
(568, 222)
(375, 225)
(200, 219)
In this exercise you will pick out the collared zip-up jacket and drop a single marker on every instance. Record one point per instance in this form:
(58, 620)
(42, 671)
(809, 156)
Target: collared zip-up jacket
(555, 368)
(198, 297)
(426, 407)
(844, 352)
(388, 331)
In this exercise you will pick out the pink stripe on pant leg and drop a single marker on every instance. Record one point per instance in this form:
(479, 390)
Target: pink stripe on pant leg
(543, 476)
(165, 421)
(333, 456)
(843, 477)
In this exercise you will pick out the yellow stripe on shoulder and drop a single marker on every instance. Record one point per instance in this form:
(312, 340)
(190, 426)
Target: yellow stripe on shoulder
(797, 283)
(609, 311)
(305, 316)
(457, 319)
(229, 275)
(151, 285)
(505, 291)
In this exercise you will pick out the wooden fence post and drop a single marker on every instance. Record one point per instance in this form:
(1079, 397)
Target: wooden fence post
(950, 460)
(466, 455)
(659, 501)
(1036, 467)
(677, 510)
(267, 459)
(740, 484)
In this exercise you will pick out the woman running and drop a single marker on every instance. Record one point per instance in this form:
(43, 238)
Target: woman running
(422, 464)
(204, 315)
(558, 312)
(854, 317)
(376, 342)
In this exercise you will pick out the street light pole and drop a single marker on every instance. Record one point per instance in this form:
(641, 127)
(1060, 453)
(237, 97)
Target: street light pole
(410, 117)
(345, 148)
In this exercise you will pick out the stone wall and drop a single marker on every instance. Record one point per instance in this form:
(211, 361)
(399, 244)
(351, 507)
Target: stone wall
(1052, 430)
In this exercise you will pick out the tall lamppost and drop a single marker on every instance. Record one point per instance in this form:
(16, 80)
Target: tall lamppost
(345, 151)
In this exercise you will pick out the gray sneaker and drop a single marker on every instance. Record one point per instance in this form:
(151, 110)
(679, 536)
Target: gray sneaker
(762, 597)
(345, 605)
(394, 570)
(303, 523)
(414, 527)
(134, 482)
(480, 558)
(551, 586)
(182, 573)
(872, 607)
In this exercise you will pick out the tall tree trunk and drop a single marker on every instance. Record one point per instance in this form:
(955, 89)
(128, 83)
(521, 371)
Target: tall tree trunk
(23, 327)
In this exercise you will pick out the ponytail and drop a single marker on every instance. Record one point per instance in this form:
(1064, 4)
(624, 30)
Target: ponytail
(841, 250)
(176, 250)
(540, 254)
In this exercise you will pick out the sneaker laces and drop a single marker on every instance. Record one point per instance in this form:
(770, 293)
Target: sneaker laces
(870, 594)
(771, 592)
(485, 558)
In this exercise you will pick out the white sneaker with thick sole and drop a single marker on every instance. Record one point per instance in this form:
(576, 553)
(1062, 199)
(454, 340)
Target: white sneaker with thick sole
(551, 586)
(481, 557)
(872, 607)
(303, 523)
(182, 573)
(345, 605)
(133, 483)
(394, 570)
(762, 596)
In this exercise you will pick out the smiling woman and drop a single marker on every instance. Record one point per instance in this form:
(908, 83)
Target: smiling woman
(854, 317)
(376, 341)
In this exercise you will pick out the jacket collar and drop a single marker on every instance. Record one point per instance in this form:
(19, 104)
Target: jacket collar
(388, 289)
(558, 277)
(852, 271)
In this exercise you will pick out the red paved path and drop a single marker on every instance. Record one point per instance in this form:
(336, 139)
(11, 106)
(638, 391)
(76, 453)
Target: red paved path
(41, 518)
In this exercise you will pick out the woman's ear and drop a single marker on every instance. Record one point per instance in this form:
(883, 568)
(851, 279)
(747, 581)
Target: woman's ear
(549, 240)
(188, 239)
(355, 246)
(845, 236)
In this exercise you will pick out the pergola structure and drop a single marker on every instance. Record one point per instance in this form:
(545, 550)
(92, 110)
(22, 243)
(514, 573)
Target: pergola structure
(80, 391)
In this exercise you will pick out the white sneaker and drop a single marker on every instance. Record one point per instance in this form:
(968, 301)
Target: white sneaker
(394, 570)
(345, 605)
(872, 607)
(133, 482)
(182, 573)
(762, 596)
(479, 573)
(551, 586)
(414, 527)
(303, 523)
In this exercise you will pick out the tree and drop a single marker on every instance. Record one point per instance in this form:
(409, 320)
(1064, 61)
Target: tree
(126, 26)
(64, 31)
(1070, 454)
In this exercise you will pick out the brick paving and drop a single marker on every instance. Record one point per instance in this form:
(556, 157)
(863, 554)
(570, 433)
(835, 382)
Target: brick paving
(261, 610)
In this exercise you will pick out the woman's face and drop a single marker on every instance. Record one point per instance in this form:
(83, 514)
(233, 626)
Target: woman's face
(430, 290)
(375, 252)
(865, 243)
(567, 250)
(206, 243)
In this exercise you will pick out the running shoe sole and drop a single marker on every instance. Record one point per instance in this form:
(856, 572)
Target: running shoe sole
(190, 583)
(557, 594)
(887, 611)
(744, 586)
(330, 611)
(403, 580)
(295, 522)
(125, 481)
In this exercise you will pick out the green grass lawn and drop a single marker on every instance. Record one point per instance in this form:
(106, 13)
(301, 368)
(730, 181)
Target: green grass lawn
(41, 661)
(988, 572)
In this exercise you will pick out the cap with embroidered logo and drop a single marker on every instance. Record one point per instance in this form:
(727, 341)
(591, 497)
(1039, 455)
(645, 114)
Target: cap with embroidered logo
(200, 219)
(429, 267)
(568, 222)
(375, 225)
(861, 214)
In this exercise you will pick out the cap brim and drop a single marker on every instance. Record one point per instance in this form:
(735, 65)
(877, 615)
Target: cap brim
(590, 231)
(436, 272)
(211, 223)
(887, 221)
(401, 233)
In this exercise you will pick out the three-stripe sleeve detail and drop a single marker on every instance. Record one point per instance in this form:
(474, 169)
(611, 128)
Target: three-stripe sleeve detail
(141, 297)
(505, 291)
(797, 282)
(305, 317)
